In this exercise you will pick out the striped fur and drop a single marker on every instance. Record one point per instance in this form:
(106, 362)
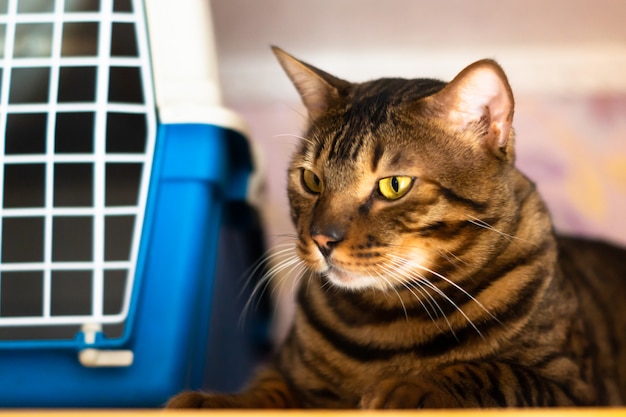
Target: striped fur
(457, 294)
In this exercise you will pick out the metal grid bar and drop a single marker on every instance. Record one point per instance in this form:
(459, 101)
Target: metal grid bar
(102, 89)
(72, 61)
(50, 133)
(66, 17)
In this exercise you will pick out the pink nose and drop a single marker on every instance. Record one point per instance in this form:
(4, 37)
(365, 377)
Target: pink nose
(327, 237)
(325, 243)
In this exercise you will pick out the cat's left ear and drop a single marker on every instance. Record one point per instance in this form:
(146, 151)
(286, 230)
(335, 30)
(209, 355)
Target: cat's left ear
(318, 89)
(480, 99)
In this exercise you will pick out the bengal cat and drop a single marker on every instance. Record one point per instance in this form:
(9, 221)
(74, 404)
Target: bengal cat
(436, 279)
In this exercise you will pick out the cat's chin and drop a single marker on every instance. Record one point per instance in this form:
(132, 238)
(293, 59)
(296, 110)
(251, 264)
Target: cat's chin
(351, 281)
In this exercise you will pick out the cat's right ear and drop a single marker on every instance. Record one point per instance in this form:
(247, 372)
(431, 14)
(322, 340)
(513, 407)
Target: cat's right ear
(479, 99)
(317, 88)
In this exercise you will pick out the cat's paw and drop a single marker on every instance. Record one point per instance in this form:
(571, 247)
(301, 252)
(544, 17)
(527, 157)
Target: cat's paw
(194, 399)
(190, 399)
(407, 393)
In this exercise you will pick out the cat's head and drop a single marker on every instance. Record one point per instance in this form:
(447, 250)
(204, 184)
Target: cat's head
(394, 178)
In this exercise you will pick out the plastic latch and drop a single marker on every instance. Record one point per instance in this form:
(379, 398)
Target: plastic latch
(96, 358)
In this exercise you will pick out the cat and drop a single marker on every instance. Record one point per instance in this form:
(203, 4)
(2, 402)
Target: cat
(436, 279)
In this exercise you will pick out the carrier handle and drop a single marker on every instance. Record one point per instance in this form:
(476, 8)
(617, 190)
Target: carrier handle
(98, 358)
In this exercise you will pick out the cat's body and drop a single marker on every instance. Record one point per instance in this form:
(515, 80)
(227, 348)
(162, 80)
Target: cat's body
(435, 277)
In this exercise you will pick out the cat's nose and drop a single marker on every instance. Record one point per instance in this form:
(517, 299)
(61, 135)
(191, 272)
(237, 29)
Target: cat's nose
(327, 240)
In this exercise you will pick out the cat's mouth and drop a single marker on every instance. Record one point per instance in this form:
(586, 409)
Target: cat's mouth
(379, 275)
(350, 280)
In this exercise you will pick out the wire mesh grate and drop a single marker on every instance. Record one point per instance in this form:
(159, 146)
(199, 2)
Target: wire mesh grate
(78, 120)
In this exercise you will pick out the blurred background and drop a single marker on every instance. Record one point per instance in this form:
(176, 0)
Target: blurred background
(566, 62)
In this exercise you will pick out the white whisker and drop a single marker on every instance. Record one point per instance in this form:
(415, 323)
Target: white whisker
(298, 271)
(286, 261)
(481, 223)
(418, 283)
(381, 276)
(291, 135)
(431, 285)
(458, 287)
(264, 260)
(452, 258)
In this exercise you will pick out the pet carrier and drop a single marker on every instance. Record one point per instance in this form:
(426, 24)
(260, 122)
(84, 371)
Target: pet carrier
(110, 215)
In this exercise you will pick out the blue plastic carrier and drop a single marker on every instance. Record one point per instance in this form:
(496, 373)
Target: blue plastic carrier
(113, 219)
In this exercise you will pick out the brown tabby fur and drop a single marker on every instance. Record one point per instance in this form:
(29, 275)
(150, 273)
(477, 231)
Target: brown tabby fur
(457, 294)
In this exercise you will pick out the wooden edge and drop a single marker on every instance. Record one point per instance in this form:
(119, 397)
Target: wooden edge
(557, 412)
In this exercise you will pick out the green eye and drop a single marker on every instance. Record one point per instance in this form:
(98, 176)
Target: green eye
(393, 188)
(312, 182)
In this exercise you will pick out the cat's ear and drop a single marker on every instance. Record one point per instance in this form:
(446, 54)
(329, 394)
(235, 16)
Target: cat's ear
(480, 99)
(317, 88)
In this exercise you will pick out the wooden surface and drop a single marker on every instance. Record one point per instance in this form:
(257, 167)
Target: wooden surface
(563, 412)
